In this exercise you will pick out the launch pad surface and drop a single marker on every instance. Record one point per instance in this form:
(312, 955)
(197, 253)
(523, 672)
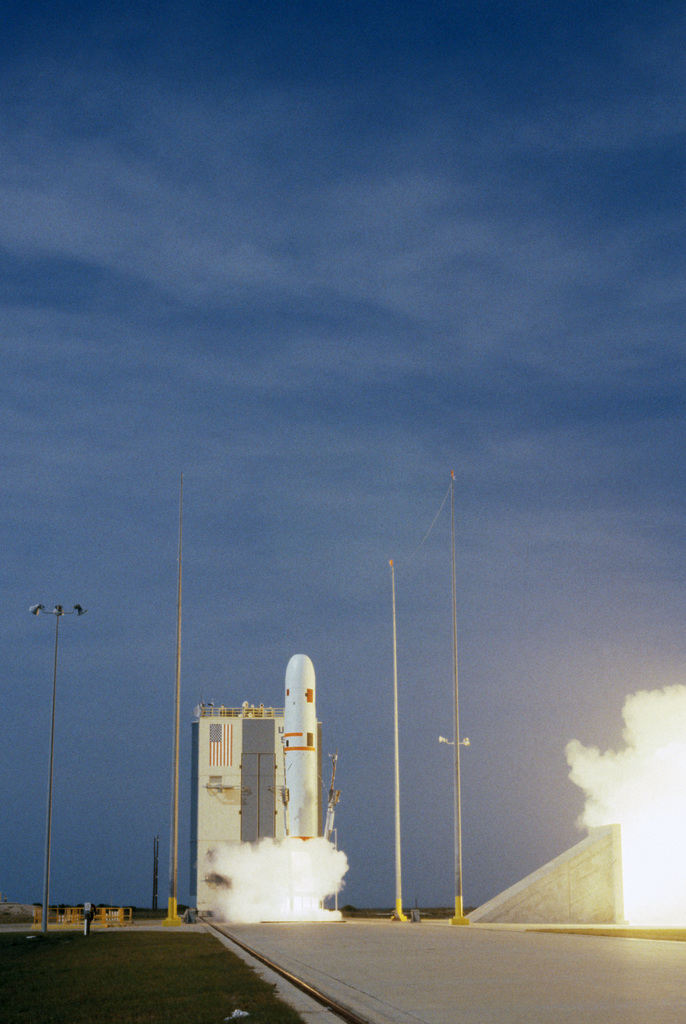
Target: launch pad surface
(390, 973)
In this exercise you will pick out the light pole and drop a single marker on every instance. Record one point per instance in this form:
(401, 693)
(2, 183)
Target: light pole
(58, 611)
(459, 917)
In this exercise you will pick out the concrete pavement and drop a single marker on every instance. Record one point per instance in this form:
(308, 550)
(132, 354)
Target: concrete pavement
(432, 973)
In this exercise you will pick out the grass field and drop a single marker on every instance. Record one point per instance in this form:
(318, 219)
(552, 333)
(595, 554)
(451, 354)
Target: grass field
(130, 977)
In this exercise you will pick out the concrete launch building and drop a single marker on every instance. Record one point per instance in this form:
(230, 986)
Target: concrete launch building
(256, 774)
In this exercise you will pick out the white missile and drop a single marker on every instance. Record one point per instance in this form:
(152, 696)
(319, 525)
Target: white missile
(300, 748)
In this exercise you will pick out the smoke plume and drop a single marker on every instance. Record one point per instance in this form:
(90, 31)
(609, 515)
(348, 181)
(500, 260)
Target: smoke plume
(643, 788)
(273, 880)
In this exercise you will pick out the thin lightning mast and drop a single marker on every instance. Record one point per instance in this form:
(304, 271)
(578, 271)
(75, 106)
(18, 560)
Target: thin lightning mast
(172, 917)
(396, 765)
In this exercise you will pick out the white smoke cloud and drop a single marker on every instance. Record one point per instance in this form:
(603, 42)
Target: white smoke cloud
(643, 788)
(274, 880)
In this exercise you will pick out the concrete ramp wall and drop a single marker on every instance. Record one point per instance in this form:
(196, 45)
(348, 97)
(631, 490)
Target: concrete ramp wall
(582, 886)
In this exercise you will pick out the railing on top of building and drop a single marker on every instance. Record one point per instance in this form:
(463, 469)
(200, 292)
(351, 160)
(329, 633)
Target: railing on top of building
(246, 711)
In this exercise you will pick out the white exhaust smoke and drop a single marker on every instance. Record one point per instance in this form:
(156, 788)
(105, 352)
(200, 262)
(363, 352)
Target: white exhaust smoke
(643, 788)
(271, 880)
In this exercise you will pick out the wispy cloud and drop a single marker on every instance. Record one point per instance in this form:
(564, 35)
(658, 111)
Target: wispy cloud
(316, 285)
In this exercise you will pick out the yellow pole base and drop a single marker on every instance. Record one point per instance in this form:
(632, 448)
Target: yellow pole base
(172, 917)
(459, 915)
(398, 915)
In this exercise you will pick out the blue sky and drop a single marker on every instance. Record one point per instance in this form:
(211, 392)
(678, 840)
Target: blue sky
(315, 257)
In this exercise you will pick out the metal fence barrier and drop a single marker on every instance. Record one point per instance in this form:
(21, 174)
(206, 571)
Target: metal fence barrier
(71, 917)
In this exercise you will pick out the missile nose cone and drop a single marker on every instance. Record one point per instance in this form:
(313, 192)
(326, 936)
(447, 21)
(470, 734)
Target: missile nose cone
(300, 670)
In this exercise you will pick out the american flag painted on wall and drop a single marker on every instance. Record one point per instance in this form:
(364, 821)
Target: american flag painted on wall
(221, 744)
